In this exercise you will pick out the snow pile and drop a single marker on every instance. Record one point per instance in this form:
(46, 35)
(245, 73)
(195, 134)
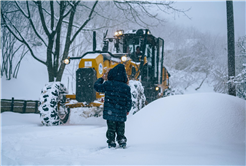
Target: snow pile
(80, 116)
(207, 117)
(195, 129)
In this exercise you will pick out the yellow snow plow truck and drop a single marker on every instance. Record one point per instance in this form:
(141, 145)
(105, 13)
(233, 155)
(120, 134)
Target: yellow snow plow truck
(143, 57)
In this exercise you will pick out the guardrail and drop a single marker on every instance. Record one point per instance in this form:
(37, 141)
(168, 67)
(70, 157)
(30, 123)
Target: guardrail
(20, 106)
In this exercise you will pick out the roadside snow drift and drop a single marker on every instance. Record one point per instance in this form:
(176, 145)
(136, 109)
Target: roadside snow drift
(186, 130)
(209, 118)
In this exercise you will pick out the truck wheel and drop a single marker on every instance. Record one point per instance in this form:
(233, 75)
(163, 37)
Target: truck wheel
(138, 97)
(52, 104)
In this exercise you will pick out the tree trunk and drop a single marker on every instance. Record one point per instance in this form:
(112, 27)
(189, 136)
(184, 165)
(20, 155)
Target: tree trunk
(49, 63)
(67, 44)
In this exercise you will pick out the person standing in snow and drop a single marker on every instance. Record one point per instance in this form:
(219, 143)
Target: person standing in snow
(117, 103)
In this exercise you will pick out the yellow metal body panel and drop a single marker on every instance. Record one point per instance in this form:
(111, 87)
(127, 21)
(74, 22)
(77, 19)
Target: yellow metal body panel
(99, 95)
(109, 65)
(129, 65)
(71, 96)
(93, 61)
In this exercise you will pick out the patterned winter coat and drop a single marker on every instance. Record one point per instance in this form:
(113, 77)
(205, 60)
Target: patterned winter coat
(117, 101)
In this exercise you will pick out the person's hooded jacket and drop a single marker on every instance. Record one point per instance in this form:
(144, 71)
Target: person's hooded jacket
(117, 101)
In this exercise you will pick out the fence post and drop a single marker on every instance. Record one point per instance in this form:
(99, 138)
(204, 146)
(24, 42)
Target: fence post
(24, 106)
(12, 104)
(36, 106)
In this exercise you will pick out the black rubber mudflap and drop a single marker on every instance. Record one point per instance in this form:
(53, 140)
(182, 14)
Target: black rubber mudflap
(85, 79)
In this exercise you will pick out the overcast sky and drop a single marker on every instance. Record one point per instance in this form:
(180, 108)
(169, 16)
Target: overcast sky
(210, 16)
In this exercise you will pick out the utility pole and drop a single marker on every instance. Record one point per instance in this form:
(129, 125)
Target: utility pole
(231, 46)
(1, 38)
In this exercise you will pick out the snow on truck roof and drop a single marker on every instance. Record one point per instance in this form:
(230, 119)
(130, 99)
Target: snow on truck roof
(94, 55)
(134, 31)
(91, 56)
(130, 32)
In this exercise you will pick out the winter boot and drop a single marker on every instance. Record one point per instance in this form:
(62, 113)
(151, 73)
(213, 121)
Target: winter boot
(111, 144)
(123, 145)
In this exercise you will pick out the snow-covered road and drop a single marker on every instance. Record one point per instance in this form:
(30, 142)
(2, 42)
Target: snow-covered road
(206, 129)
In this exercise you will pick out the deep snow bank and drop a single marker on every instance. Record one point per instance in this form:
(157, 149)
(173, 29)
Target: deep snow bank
(197, 129)
(208, 118)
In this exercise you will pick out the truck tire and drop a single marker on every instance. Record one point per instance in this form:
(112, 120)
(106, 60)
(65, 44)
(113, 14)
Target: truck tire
(138, 97)
(52, 104)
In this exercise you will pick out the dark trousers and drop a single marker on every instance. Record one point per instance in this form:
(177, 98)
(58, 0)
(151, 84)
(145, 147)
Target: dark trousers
(114, 128)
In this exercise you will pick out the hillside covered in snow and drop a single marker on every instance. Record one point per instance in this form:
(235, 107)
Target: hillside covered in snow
(192, 129)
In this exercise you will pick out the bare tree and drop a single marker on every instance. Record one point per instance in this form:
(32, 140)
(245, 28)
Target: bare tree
(62, 21)
(11, 47)
(10, 68)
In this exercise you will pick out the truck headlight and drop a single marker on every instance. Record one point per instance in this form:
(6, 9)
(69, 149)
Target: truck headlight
(119, 33)
(123, 58)
(66, 61)
(157, 88)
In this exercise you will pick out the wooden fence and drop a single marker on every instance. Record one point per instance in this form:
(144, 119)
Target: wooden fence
(20, 106)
